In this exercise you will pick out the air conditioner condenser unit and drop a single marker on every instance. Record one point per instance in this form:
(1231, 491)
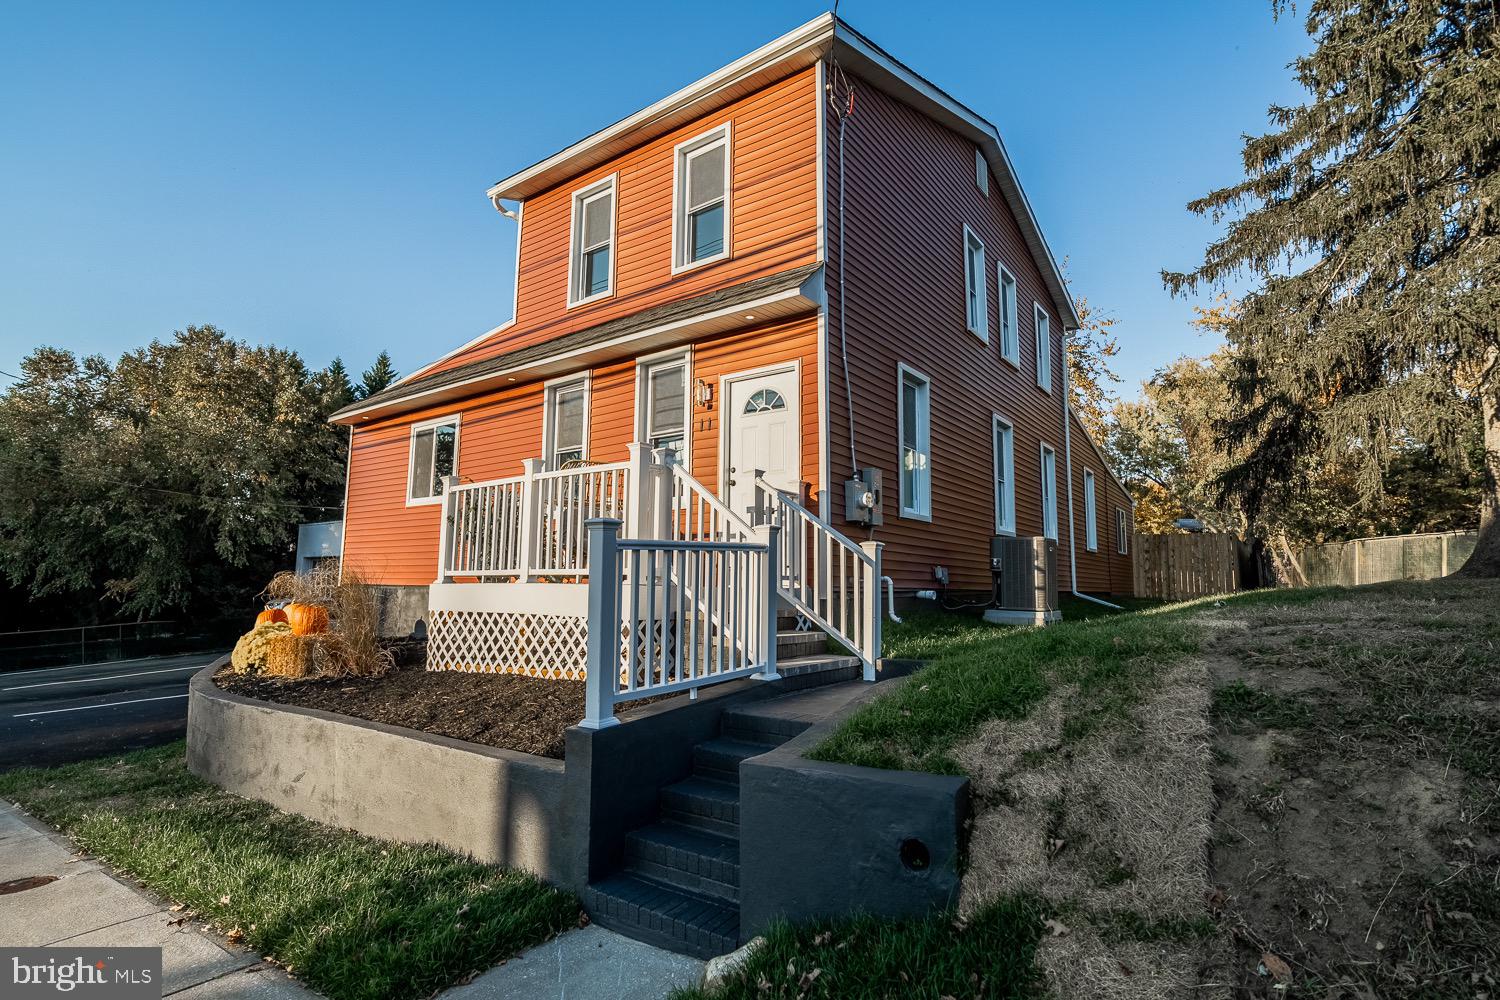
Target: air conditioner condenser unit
(1025, 575)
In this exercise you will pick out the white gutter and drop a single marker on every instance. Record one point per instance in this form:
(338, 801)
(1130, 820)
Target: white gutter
(1068, 463)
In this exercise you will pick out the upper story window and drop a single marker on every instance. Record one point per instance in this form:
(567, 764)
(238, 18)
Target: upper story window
(1049, 492)
(1090, 518)
(700, 216)
(433, 457)
(1005, 477)
(916, 466)
(565, 422)
(981, 172)
(593, 253)
(1043, 349)
(977, 316)
(664, 386)
(1122, 532)
(1010, 341)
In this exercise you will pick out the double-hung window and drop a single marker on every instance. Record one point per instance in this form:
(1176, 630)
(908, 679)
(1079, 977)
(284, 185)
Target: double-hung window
(433, 456)
(663, 387)
(565, 423)
(977, 315)
(1049, 492)
(700, 218)
(593, 253)
(1122, 532)
(1090, 518)
(915, 463)
(1005, 476)
(1010, 342)
(1043, 348)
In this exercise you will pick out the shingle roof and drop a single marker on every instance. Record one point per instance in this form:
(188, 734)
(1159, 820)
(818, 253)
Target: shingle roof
(720, 298)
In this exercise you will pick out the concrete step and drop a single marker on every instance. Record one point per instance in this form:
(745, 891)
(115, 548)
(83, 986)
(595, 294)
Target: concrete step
(793, 644)
(688, 858)
(664, 915)
(708, 805)
(719, 760)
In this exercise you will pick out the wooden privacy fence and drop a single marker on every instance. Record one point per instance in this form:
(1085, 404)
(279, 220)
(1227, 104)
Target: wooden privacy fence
(1178, 567)
(1376, 560)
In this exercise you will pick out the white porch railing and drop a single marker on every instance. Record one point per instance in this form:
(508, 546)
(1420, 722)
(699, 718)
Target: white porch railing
(673, 615)
(828, 578)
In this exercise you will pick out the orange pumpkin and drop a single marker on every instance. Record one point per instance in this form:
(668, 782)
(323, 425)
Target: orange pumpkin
(307, 619)
(270, 616)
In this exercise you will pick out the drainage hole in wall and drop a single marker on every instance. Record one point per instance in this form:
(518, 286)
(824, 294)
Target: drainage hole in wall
(915, 855)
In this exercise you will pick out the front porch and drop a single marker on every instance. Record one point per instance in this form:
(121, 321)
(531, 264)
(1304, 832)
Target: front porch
(687, 591)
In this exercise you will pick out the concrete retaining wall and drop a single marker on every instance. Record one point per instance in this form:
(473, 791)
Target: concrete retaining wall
(499, 806)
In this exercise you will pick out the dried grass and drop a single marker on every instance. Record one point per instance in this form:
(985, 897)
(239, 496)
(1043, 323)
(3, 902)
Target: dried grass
(1117, 824)
(294, 656)
(351, 646)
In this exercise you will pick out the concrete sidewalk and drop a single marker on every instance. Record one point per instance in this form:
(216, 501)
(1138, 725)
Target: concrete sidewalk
(88, 906)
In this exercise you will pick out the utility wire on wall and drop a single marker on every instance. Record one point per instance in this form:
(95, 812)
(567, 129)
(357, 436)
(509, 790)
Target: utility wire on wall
(841, 102)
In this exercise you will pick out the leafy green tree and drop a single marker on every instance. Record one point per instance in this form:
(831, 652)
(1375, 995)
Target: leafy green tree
(378, 376)
(1090, 377)
(1369, 214)
(172, 481)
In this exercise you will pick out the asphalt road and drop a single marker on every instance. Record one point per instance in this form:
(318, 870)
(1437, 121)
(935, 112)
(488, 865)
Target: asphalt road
(62, 714)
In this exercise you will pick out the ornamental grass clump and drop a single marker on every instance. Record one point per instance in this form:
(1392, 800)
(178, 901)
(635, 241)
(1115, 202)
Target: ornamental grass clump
(331, 629)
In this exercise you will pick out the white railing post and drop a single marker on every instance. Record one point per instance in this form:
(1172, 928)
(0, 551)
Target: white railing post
(874, 613)
(639, 491)
(531, 513)
(661, 497)
(769, 600)
(603, 669)
(445, 530)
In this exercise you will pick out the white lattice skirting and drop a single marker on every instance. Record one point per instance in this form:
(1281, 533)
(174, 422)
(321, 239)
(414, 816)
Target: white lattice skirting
(553, 647)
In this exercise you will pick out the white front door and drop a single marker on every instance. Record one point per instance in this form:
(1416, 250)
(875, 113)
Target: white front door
(761, 427)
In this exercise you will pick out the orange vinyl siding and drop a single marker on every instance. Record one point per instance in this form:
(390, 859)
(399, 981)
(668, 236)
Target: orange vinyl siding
(773, 207)
(1104, 571)
(910, 191)
(389, 542)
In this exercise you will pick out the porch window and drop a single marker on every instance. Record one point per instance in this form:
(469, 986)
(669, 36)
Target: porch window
(1090, 520)
(1005, 477)
(701, 216)
(915, 465)
(566, 422)
(593, 272)
(1043, 349)
(1010, 344)
(665, 407)
(433, 456)
(1049, 492)
(1122, 532)
(976, 308)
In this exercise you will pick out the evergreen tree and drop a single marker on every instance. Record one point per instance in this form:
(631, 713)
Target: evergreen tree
(1370, 216)
(338, 388)
(378, 376)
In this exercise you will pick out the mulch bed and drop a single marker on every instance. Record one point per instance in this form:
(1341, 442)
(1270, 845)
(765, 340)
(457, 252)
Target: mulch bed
(497, 710)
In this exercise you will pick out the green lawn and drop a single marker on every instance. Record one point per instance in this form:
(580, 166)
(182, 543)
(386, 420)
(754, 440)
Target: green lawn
(354, 918)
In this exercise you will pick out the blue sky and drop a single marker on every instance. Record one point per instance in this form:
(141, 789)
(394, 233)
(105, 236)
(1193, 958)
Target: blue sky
(313, 175)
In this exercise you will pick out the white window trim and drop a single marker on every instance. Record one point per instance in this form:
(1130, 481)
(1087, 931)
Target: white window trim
(1049, 491)
(1014, 354)
(575, 256)
(1090, 512)
(997, 421)
(550, 389)
(1122, 532)
(924, 443)
(680, 152)
(411, 455)
(982, 277)
(643, 366)
(1040, 318)
(981, 172)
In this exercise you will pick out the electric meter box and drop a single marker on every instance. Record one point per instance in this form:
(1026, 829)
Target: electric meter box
(862, 498)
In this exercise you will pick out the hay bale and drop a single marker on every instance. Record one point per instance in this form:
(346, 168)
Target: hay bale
(293, 656)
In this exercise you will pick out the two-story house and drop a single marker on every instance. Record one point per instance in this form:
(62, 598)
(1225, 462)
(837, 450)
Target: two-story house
(810, 263)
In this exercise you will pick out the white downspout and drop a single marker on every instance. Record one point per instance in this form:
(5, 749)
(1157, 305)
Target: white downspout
(1068, 463)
